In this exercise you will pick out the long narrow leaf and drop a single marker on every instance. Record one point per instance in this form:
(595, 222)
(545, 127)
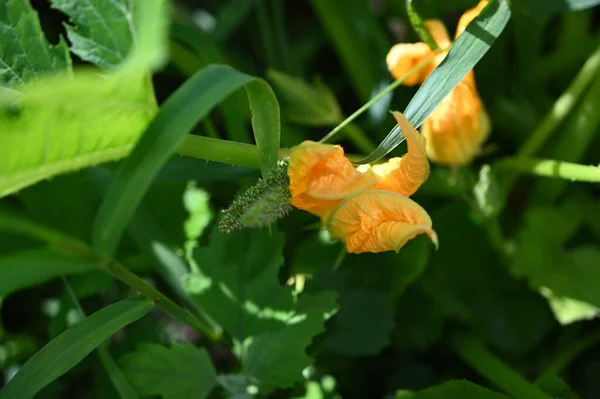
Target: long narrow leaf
(466, 51)
(28, 268)
(186, 107)
(72, 346)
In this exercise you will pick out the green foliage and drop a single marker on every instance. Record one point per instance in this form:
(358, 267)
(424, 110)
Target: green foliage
(304, 103)
(179, 372)
(455, 390)
(25, 54)
(27, 268)
(240, 289)
(69, 348)
(106, 34)
(76, 113)
(277, 358)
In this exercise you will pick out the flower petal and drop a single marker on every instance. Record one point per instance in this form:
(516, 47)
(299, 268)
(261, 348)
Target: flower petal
(378, 221)
(469, 16)
(405, 175)
(320, 176)
(438, 32)
(405, 56)
(458, 127)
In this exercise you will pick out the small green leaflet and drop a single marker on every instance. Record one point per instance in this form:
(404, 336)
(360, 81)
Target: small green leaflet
(464, 54)
(25, 54)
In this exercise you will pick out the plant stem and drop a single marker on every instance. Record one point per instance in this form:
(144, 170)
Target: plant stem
(378, 97)
(472, 351)
(223, 151)
(562, 106)
(551, 168)
(572, 351)
(164, 303)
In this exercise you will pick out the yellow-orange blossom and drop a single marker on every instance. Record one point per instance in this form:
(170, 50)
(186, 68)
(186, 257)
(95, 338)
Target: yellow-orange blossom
(459, 126)
(367, 208)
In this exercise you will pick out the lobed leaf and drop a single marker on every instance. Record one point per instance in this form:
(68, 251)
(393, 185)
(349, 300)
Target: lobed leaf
(25, 54)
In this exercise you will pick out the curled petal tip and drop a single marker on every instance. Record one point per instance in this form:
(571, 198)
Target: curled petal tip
(378, 221)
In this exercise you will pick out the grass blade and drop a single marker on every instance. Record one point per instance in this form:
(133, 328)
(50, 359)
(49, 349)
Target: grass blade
(265, 122)
(186, 107)
(28, 268)
(72, 346)
(464, 54)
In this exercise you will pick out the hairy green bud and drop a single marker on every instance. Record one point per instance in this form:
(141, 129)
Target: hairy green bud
(261, 204)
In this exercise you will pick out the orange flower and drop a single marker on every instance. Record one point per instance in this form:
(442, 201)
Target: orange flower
(321, 176)
(459, 126)
(377, 221)
(367, 208)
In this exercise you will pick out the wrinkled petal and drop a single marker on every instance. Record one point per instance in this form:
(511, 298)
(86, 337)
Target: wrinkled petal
(378, 221)
(458, 127)
(404, 175)
(469, 16)
(405, 56)
(320, 176)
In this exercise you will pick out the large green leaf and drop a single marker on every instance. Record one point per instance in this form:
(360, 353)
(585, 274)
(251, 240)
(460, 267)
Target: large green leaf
(25, 54)
(188, 105)
(72, 346)
(27, 268)
(106, 33)
(240, 290)
(64, 123)
(363, 324)
(466, 51)
(67, 123)
(179, 372)
(277, 358)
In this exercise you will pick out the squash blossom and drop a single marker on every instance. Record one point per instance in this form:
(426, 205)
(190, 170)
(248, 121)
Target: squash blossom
(367, 207)
(459, 126)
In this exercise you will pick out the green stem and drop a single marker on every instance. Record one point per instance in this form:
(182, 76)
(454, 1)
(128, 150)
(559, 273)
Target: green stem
(551, 168)
(223, 151)
(472, 351)
(562, 106)
(569, 353)
(359, 138)
(164, 303)
(378, 97)
(73, 246)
